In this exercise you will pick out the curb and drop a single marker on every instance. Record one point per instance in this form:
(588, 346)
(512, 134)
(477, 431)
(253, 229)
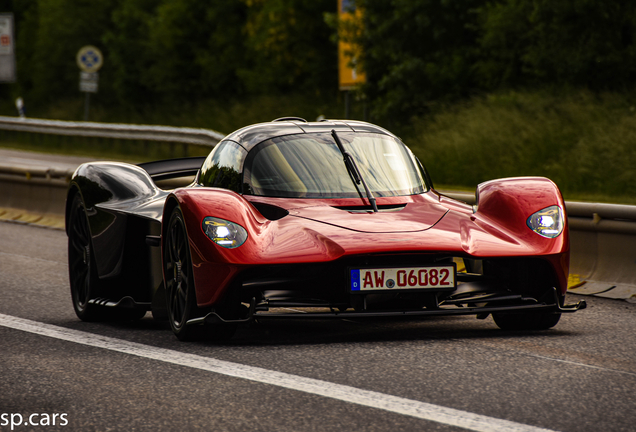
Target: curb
(54, 221)
(609, 290)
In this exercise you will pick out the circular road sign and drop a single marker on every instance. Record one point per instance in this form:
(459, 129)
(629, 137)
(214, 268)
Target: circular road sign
(89, 58)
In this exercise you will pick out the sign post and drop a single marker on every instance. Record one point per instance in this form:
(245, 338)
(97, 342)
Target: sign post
(7, 51)
(90, 60)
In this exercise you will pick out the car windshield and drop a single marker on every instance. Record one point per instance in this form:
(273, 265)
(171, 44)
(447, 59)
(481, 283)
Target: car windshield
(311, 166)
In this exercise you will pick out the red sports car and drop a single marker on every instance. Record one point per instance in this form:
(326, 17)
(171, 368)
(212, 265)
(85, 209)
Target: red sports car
(291, 219)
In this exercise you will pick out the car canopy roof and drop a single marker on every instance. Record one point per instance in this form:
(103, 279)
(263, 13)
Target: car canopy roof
(249, 136)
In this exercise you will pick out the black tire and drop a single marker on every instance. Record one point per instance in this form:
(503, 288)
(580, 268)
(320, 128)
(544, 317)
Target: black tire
(179, 280)
(81, 264)
(526, 321)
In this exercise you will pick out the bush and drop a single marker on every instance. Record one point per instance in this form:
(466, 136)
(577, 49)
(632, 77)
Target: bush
(583, 142)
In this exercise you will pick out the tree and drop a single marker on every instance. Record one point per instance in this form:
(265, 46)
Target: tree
(578, 43)
(289, 47)
(50, 34)
(174, 51)
(415, 52)
(584, 43)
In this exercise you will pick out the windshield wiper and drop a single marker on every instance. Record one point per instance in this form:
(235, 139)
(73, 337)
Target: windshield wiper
(350, 163)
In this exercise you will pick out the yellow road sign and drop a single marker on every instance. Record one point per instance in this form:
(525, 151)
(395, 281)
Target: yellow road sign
(349, 71)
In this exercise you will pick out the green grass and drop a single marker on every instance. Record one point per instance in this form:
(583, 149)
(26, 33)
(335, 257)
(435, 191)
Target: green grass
(585, 143)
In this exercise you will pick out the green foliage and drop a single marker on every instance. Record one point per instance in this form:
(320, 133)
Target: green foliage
(194, 48)
(130, 53)
(417, 51)
(49, 36)
(583, 142)
(174, 52)
(289, 47)
(579, 43)
(503, 40)
(430, 66)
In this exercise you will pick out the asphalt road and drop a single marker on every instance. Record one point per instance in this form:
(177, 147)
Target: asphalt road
(580, 376)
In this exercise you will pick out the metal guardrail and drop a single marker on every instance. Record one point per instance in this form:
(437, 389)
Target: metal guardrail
(608, 218)
(602, 248)
(35, 172)
(594, 217)
(582, 216)
(204, 137)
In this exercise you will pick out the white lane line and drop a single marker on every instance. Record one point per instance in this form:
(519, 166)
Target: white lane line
(413, 408)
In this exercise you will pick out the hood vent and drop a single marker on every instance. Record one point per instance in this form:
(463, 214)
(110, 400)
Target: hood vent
(270, 212)
(366, 209)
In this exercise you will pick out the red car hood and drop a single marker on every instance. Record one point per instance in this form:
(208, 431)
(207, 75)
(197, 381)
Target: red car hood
(396, 215)
(411, 217)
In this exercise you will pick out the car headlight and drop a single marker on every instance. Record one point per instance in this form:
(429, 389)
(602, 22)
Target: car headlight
(547, 222)
(224, 233)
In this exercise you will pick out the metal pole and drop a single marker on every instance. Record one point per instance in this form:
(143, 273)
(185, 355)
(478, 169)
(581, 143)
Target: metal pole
(87, 103)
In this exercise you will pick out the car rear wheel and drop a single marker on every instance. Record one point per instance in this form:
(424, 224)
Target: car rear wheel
(179, 280)
(81, 264)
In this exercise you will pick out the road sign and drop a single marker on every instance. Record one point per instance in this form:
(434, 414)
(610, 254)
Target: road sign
(89, 82)
(6, 34)
(89, 58)
(348, 71)
(7, 52)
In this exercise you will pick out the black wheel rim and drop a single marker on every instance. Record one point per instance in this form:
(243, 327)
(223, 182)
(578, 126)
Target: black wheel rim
(177, 271)
(79, 255)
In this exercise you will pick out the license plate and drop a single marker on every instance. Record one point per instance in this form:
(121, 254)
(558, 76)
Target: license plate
(402, 278)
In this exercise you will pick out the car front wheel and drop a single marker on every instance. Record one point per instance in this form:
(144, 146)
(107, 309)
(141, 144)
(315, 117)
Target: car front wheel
(81, 264)
(178, 279)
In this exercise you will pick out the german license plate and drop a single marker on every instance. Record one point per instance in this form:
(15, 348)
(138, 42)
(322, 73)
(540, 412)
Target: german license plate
(402, 278)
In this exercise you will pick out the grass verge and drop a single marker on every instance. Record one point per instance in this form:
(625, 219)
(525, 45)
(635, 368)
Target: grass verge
(585, 143)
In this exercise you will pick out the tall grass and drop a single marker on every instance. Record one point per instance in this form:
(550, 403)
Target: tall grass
(585, 143)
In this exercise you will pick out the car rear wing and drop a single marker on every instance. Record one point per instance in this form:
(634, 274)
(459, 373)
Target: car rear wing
(172, 168)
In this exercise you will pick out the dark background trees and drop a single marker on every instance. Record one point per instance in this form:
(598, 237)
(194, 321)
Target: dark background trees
(419, 52)
(416, 53)
(478, 88)
(167, 52)
(579, 43)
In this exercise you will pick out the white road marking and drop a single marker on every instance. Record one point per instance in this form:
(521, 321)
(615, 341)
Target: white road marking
(408, 407)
